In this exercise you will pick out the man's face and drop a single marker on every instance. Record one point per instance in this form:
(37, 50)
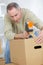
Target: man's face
(15, 14)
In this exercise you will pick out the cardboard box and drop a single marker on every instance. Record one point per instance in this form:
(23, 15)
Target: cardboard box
(0, 47)
(26, 52)
(2, 61)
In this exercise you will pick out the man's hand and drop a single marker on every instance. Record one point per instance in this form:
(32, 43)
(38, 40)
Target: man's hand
(23, 35)
(40, 38)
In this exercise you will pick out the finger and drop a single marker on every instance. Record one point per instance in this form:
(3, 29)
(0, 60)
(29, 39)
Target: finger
(39, 40)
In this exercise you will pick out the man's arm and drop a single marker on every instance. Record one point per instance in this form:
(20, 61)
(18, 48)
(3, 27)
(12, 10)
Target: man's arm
(8, 28)
(32, 17)
(37, 22)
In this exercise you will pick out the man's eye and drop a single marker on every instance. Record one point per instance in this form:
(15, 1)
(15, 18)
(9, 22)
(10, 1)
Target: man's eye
(11, 16)
(16, 15)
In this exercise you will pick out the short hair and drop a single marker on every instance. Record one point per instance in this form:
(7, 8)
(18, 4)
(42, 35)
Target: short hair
(11, 5)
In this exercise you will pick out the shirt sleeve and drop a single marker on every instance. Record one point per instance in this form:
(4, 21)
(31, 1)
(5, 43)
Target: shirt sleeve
(30, 16)
(8, 28)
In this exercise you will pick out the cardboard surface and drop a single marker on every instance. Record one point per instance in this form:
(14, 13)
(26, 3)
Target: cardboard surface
(26, 52)
(2, 61)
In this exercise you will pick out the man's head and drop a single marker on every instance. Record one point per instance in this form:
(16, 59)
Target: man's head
(14, 11)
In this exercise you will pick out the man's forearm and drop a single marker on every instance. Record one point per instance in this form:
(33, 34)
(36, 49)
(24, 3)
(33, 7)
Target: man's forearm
(18, 36)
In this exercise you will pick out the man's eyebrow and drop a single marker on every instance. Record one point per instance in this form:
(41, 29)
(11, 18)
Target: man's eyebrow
(13, 15)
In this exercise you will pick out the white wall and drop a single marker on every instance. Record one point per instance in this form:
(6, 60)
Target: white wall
(2, 11)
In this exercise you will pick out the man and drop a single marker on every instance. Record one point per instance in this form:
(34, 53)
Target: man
(15, 19)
